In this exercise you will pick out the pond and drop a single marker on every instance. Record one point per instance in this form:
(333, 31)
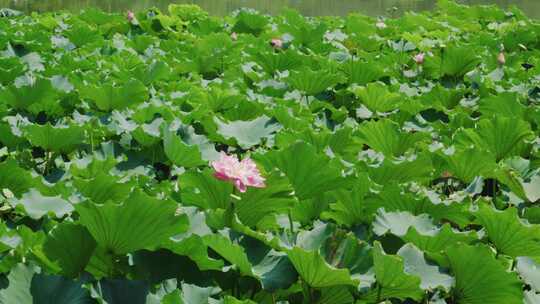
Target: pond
(306, 7)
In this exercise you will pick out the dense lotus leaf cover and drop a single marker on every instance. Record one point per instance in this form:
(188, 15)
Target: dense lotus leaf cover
(400, 157)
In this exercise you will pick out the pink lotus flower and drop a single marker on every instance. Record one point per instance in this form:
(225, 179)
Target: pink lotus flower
(130, 16)
(380, 24)
(241, 173)
(419, 58)
(501, 59)
(234, 36)
(276, 43)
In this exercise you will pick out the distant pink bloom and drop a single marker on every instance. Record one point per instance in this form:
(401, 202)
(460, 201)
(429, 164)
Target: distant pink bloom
(234, 36)
(501, 59)
(130, 16)
(380, 24)
(419, 58)
(241, 173)
(276, 43)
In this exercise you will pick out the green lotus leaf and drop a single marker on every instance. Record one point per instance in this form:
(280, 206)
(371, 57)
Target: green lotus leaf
(62, 139)
(231, 252)
(248, 133)
(504, 104)
(180, 153)
(529, 272)
(377, 97)
(187, 12)
(202, 189)
(398, 223)
(140, 222)
(258, 203)
(508, 233)
(458, 60)
(109, 97)
(37, 205)
(401, 171)
(438, 242)
(29, 97)
(103, 187)
(14, 178)
(467, 164)
(480, 278)
(250, 22)
(430, 275)
(392, 280)
(299, 162)
(312, 82)
(385, 136)
(362, 73)
(316, 272)
(71, 246)
(501, 136)
(27, 285)
(273, 62)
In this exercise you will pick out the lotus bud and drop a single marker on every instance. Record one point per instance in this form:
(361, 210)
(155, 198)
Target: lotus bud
(419, 58)
(234, 36)
(130, 16)
(380, 24)
(501, 59)
(276, 43)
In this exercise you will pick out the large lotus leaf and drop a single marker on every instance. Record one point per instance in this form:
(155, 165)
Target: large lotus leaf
(109, 97)
(10, 68)
(24, 97)
(202, 189)
(314, 270)
(27, 286)
(103, 187)
(458, 60)
(503, 104)
(71, 246)
(431, 276)
(140, 222)
(312, 82)
(500, 135)
(57, 139)
(398, 223)
(153, 72)
(402, 171)
(438, 242)
(231, 252)
(352, 253)
(349, 208)
(275, 271)
(362, 73)
(392, 198)
(467, 164)
(48, 289)
(248, 133)
(273, 62)
(37, 205)
(386, 137)
(392, 281)
(377, 97)
(18, 290)
(14, 178)
(258, 203)
(336, 295)
(529, 271)
(480, 278)
(250, 22)
(180, 153)
(508, 233)
(116, 291)
(304, 32)
(532, 188)
(309, 172)
(195, 248)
